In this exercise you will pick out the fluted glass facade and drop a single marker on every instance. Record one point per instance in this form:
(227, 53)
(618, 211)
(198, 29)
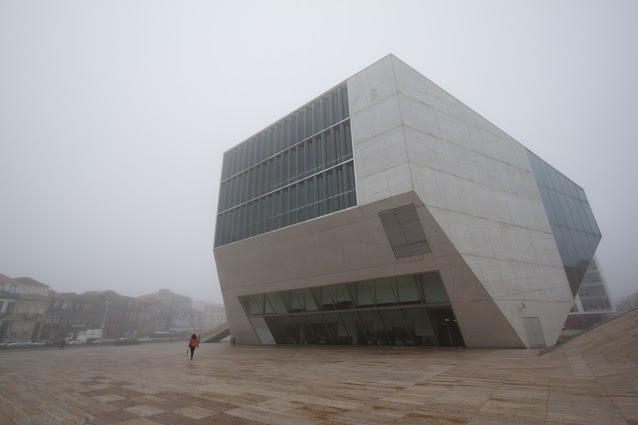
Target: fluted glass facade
(298, 168)
(410, 310)
(573, 224)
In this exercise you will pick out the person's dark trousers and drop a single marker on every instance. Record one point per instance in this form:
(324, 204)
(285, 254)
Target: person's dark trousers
(192, 347)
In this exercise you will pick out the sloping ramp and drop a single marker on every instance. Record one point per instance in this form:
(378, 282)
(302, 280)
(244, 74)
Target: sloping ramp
(216, 334)
(595, 370)
(615, 337)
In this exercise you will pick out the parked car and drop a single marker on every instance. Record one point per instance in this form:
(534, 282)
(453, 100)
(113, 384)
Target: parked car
(103, 341)
(7, 342)
(21, 343)
(147, 339)
(42, 343)
(125, 341)
(77, 342)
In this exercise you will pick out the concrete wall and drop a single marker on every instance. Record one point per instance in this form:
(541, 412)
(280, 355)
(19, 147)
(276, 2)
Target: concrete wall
(343, 247)
(474, 180)
(348, 246)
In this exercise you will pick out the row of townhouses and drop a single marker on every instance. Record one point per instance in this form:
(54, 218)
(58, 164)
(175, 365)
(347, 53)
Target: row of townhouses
(32, 310)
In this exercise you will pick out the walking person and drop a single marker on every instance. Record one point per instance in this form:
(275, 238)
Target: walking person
(62, 344)
(192, 344)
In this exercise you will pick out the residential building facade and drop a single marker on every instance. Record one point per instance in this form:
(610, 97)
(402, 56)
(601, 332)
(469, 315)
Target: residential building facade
(178, 308)
(23, 304)
(210, 315)
(30, 310)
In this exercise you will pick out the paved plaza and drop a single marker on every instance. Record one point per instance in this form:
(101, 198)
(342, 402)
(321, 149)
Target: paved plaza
(590, 380)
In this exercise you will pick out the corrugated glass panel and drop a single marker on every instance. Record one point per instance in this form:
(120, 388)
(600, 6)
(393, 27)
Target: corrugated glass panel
(308, 141)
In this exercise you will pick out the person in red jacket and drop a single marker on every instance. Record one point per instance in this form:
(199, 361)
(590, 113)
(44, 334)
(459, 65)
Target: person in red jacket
(192, 344)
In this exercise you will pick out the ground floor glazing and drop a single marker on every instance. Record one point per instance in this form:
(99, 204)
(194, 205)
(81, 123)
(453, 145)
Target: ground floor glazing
(409, 310)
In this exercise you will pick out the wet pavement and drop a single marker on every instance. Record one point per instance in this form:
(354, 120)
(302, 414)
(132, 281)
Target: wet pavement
(157, 383)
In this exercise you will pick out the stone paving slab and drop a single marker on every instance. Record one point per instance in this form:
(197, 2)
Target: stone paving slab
(157, 384)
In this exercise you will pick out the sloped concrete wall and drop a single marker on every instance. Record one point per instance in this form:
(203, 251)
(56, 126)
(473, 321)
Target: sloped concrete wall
(348, 246)
(477, 183)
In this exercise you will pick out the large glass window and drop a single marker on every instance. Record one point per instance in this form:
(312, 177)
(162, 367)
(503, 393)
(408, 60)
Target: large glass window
(395, 327)
(354, 328)
(419, 326)
(373, 325)
(297, 169)
(405, 289)
(400, 310)
(318, 328)
(572, 221)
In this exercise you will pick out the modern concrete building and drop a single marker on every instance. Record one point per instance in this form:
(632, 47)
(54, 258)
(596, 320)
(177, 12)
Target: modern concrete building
(386, 212)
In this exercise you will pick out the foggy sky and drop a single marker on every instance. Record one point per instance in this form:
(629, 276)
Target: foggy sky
(114, 115)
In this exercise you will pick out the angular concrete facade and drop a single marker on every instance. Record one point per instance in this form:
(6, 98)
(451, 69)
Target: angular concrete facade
(477, 200)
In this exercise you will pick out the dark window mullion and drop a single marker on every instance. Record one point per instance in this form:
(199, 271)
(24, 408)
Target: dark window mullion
(356, 313)
(384, 327)
(392, 281)
(330, 297)
(317, 302)
(432, 324)
(310, 328)
(345, 328)
(301, 303)
(372, 293)
(405, 325)
(353, 298)
(419, 288)
(325, 325)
